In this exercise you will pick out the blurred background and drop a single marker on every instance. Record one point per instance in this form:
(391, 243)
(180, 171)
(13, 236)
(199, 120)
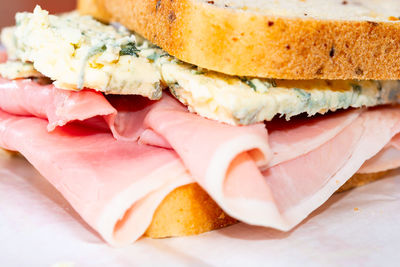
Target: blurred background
(8, 8)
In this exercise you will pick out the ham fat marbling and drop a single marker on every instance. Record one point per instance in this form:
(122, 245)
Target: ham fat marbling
(115, 158)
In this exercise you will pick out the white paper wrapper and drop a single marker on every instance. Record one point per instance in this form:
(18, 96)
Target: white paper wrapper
(356, 228)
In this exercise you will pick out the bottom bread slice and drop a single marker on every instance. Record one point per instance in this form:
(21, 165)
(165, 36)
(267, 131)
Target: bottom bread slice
(189, 210)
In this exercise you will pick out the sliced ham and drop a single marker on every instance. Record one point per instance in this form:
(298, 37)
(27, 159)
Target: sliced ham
(114, 185)
(59, 107)
(395, 142)
(227, 161)
(291, 139)
(149, 137)
(28, 98)
(301, 185)
(223, 159)
(378, 128)
(299, 136)
(3, 55)
(127, 122)
(387, 159)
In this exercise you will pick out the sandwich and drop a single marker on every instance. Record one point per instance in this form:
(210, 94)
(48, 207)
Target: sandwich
(171, 118)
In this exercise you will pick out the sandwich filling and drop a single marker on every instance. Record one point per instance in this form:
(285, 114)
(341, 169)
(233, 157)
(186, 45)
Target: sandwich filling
(77, 51)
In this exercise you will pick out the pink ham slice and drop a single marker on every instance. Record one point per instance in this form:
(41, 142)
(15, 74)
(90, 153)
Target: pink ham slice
(3, 56)
(291, 139)
(27, 98)
(114, 185)
(308, 163)
(225, 160)
(212, 151)
(377, 128)
(387, 159)
(124, 117)
(127, 122)
(149, 137)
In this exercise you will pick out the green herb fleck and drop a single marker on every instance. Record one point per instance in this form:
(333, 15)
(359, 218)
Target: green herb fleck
(356, 88)
(379, 85)
(129, 49)
(249, 83)
(172, 89)
(198, 71)
(270, 83)
(96, 50)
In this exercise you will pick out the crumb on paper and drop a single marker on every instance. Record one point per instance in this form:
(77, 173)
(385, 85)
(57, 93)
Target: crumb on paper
(337, 181)
(391, 18)
(356, 209)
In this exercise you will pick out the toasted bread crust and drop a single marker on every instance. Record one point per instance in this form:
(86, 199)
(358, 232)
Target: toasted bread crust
(244, 43)
(188, 210)
(95, 8)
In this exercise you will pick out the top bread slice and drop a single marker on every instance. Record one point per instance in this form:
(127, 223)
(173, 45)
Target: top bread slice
(289, 39)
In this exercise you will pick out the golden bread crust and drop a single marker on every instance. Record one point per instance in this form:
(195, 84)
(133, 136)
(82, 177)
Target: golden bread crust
(244, 43)
(188, 210)
(94, 7)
